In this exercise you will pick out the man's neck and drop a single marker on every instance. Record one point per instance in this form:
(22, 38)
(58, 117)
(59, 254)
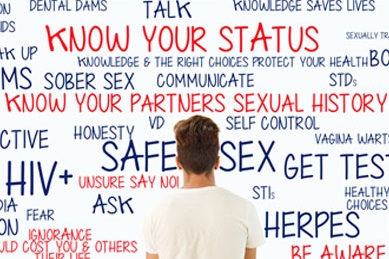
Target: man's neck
(198, 180)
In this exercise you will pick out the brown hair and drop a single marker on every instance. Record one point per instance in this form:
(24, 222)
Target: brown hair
(197, 144)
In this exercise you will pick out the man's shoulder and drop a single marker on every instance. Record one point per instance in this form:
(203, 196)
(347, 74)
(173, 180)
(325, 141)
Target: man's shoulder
(234, 196)
(212, 195)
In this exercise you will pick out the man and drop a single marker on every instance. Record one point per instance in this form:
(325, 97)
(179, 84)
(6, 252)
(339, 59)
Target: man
(201, 220)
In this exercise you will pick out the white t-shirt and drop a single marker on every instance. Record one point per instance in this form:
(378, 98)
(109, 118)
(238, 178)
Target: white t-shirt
(202, 223)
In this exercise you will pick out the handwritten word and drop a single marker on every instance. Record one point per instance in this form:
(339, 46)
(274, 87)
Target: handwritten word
(100, 61)
(263, 192)
(102, 132)
(39, 102)
(274, 61)
(116, 246)
(168, 38)
(113, 205)
(119, 80)
(7, 26)
(198, 80)
(382, 59)
(49, 5)
(65, 5)
(7, 54)
(142, 181)
(367, 204)
(166, 11)
(93, 39)
(23, 139)
(366, 191)
(242, 154)
(132, 154)
(17, 78)
(9, 227)
(301, 166)
(268, 6)
(333, 138)
(69, 81)
(8, 246)
(91, 5)
(145, 181)
(324, 5)
(349, 61)
(257, 102)
(8, 205)
(224, 61)
(36, 169)
(38, 214)
(300, 252)
(289, 123)
(361, 5)
(92, 102)
(177, 102)
(240, 122)
(5, 8)
(59, 234)
(226, 32)
(355, 164)
(353, 251)
(299, 224)
(342, 79)
(373, 138)
(28, 52)
(348, 102)
(340, 252)
(101, 182)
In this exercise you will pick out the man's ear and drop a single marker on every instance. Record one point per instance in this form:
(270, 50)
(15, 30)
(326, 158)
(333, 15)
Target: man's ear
(217, 162)
(178, 163)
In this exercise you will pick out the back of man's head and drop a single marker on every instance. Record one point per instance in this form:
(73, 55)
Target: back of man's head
(197, 144)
